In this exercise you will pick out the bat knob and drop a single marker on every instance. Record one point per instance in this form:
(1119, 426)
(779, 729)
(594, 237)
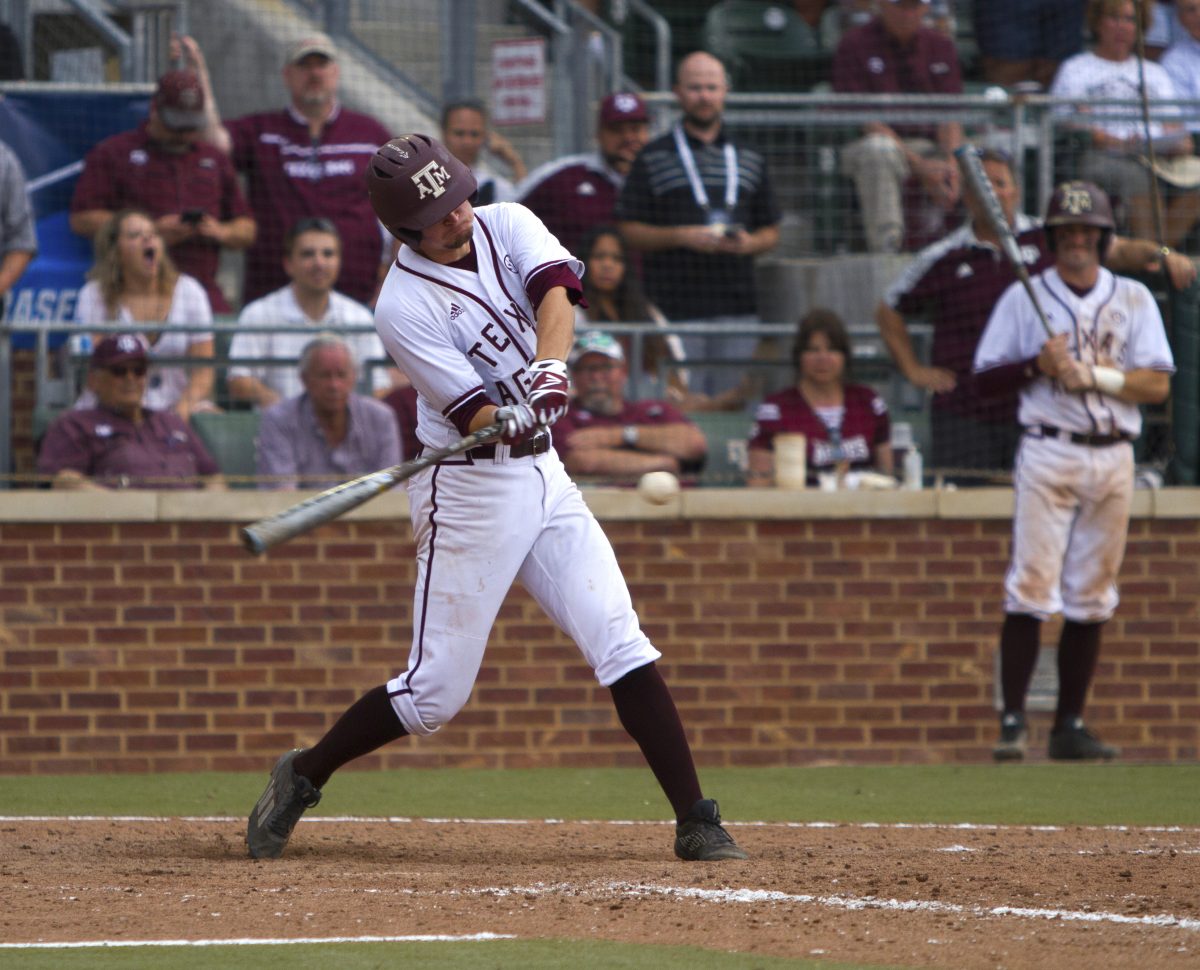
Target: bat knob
(252, 542)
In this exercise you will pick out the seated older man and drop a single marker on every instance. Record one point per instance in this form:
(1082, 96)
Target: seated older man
(327, 433)
(605, 438)
(118, 443)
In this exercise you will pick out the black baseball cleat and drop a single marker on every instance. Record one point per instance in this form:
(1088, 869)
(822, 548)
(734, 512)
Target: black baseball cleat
(279, 808)
(701, 838)
(1074, 742)
(1014, 738)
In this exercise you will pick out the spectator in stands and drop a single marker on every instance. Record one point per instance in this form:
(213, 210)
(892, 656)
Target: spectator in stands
(18, 235)
(308, 159)
(118, 442)
(465, 132)
(700, 208)
(134, 282)
(187, 187)
(846, 426)
(1182, 60)
(312, 261)
(574, 194)
(605, 438)
(1116, 159)
(612, 293)
(1164, 29)
(896, 54)
(327, 434)
(953, 285)
(1026, 40)
(402, 399)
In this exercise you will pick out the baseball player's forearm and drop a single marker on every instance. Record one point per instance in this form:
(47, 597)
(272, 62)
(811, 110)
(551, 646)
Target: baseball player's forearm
(555, 325)
(1145, 386)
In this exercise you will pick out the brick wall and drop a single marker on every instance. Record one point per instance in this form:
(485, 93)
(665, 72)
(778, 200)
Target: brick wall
(151, 642)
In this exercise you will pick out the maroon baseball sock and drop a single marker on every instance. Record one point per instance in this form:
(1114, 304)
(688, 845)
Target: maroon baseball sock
(369, 723)
(648, 713)
(1020, 640)
(1078, 651)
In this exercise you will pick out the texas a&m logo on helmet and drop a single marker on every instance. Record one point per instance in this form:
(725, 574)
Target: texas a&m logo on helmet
(431, 180)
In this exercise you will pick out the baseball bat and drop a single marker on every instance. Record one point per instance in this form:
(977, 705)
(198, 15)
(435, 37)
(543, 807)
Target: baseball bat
(260, 536)
(971, 167)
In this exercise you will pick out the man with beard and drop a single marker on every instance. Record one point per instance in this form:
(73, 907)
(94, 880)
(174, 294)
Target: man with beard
(573, 194)
(312, 262)
(701, 208)
(187, 187)
(308, 159)
(605, 438)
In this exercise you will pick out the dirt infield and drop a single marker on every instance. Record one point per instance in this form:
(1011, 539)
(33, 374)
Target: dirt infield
(946, 896)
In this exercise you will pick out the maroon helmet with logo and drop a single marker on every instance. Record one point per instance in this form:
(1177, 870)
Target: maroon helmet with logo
(1080, 204)
(414, 182)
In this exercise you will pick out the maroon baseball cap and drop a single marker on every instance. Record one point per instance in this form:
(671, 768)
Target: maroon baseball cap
(622, 106)
(180, 101)
(117, 348)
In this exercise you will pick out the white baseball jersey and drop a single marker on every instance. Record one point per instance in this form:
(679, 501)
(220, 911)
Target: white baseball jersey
(1072, 499)
(459, 334)
(480, 522)
(1116, 324)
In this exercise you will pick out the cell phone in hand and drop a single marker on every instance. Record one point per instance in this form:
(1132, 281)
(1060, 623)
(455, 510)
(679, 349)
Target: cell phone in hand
(192, 216)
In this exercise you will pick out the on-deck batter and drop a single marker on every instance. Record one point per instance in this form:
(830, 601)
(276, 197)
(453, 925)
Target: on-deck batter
(1073, 478)
(477, 310)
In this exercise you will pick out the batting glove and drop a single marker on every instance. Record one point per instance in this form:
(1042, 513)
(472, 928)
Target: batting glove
(548, 392)
(517, 421)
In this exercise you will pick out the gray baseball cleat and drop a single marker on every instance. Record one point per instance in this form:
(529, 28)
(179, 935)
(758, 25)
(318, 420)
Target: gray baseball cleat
(701, 838)
(279, 808)
(1074, 742)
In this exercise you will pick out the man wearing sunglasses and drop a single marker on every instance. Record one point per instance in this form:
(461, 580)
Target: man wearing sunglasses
(187, 186)
(118, 443)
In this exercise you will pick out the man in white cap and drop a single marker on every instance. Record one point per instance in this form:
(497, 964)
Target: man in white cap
(308, 159)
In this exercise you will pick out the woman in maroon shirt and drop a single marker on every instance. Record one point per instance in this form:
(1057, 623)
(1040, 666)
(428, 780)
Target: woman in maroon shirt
(846, 426)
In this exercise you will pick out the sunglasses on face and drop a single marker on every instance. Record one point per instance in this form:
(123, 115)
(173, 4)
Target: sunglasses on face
(123, 370)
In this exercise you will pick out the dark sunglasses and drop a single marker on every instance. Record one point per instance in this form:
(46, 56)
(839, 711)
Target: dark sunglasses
(122, 370)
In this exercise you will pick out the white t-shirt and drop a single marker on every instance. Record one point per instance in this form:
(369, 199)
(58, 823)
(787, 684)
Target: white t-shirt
(282, 309)
(1087, 77)
(166, 383)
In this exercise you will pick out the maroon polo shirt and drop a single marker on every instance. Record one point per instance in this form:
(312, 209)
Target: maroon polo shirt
(634, 412)
(291, 176)
(954, 284)
(131, 171)
(572, 196)
(869, 60)
(161, 452)
(865, 425)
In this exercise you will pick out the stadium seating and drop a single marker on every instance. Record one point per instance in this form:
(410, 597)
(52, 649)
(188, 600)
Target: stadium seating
(229, 436)
(727, 433)
(765, 46)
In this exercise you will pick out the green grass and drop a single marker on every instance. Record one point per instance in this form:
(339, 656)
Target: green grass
(525, 955)
(1010, 794)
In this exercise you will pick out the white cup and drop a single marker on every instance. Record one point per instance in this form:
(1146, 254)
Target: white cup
(790, 461)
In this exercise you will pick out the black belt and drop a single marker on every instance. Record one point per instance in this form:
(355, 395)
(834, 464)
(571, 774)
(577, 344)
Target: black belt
(537, 445)
(1091, 440)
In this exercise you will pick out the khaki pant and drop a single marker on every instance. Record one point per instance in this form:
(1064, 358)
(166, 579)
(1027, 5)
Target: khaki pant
(879, 170)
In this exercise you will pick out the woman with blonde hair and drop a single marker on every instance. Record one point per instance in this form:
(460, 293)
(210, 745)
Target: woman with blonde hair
(134, 282)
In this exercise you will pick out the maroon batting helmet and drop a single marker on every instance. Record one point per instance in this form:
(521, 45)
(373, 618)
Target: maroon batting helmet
(1080, 204)
(414, 182)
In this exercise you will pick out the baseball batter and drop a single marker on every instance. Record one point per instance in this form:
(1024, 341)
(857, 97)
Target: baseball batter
(477, 310)
(1073, 479)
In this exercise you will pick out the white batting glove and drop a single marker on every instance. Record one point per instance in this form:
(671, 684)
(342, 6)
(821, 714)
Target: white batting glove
(549, 391)
(517, 421)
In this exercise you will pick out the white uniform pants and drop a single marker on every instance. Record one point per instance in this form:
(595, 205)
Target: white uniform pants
(478, 527)
(1069, 528)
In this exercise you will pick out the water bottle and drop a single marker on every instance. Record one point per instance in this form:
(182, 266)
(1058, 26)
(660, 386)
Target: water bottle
(80, 345)
(914, 468)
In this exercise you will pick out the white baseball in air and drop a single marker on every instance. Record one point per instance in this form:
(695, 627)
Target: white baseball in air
(658, 488)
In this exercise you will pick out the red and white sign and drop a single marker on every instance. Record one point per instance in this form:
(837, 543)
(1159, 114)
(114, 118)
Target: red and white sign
(519, 81)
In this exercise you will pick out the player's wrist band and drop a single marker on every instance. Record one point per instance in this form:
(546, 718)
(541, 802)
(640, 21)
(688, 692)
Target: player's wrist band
(1108, 380)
